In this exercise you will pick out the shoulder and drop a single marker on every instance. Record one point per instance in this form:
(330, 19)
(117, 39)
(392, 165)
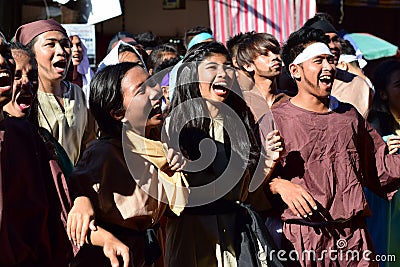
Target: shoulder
(280, 98)
(350, 79)
(74, 91)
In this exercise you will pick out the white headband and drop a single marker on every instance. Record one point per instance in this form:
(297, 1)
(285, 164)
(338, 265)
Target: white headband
(351, 58)
(311, 51)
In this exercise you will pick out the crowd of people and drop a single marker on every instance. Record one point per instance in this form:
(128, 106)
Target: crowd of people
(249, 153)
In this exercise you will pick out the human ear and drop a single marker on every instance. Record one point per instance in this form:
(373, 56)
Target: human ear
(343, 66)
(249, 68)
(118, 115)
(294, 70)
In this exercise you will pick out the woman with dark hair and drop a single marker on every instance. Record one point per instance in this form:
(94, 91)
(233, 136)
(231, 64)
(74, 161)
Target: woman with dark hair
(62, 106)
(31, 230)
(385, 118)
(208, 108)
(124, 209)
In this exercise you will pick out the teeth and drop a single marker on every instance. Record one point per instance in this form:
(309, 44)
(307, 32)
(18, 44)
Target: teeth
(325, 77)
(156, 106)
(220, 84)
(4, 74)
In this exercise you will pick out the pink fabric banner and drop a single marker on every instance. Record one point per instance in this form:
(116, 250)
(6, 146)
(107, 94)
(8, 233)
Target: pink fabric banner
(277, 17)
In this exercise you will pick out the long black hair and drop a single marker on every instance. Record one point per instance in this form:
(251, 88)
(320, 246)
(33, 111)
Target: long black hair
(106, 95)
(380, 109)
(195, 116)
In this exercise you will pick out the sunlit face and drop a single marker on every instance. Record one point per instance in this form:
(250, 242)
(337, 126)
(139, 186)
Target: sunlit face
(393, 91)
(53, 54)
(334, 45)
(141, 99)
(76, 49)
(316, 76)
(216, 76)
(25, 85)
(269, 65)
(7, 68)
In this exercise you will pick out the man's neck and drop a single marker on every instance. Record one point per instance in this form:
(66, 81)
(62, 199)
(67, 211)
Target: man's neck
(267, 88)
(311, 103)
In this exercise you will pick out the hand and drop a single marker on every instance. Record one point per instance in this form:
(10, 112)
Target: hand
(275, 145)
(113, 248)
(175, 160)
(80, 219)
(393, 143)
(295, 196)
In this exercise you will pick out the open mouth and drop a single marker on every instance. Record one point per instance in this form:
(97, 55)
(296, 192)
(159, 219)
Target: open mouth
(326, 80)
(24, 101)
(5, 81)
(156, 110)
(76, 58)
(60, 66)
(5, 78)
(220, 88)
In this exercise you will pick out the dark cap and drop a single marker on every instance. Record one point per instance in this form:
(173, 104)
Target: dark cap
(27, 32)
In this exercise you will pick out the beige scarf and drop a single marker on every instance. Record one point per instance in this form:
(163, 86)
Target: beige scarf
(174, 183)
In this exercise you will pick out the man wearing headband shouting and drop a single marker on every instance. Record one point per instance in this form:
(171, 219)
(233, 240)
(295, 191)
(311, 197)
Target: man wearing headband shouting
(348, 87)
(331, 153)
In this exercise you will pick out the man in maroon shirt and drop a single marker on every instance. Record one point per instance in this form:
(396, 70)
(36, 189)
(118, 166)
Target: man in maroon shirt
(331, 153)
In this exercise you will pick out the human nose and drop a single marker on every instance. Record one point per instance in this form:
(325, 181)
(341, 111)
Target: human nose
(326, 64)
(74, 48)
(26, 83)
(221, 71)
(155, 92)
(61, 50)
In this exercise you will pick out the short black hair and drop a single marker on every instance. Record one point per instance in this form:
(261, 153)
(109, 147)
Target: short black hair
(192, 32)
(299, 40)
(106, 95)
(119, 36)
(148, 39)
(157, 55)
(253, 45)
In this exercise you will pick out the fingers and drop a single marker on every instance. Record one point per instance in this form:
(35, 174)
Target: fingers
(299, 201)
(92, 225)
(113, 259)
(77, 228)
(72, 230)
(275, 141)
(175, 160)
(114, 251)
(393, 144)
(83, 232)
(272, 134)
(182, 165)
(125, 257)
(79, 223)
(303, 206)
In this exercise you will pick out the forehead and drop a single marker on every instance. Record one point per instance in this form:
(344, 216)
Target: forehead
(128, 56)
(51, 35)
(218, 58)
(322, 56)
(75, 39)
(135, 76)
